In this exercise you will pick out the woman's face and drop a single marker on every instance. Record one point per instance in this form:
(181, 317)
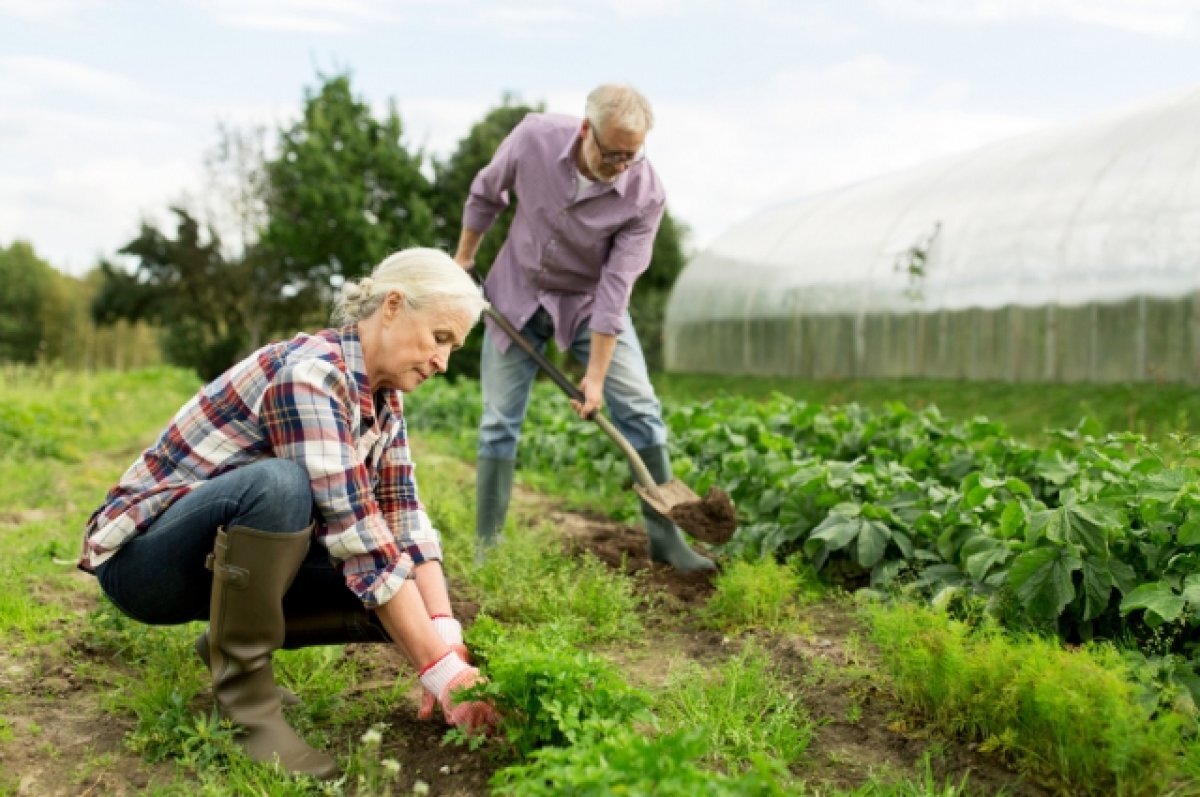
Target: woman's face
(413, 345)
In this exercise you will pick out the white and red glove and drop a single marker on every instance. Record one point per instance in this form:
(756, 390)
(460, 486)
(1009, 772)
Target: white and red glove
(450, 630)
(443, 678)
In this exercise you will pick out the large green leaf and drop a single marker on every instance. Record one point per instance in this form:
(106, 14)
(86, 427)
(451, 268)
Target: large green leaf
(1097, 587)
(836, 531)
(1189, 531)
(872, 542)
(1042, 580)
(1162, 604)
(980, 554)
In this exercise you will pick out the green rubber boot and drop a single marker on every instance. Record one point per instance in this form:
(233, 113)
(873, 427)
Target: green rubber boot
(252, 570)
(493, 488)
(667, 544)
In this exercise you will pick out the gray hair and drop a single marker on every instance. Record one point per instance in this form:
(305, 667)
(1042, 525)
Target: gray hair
(620, 106)
(426, 277)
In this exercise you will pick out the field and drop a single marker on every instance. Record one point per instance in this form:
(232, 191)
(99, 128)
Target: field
(917, 604)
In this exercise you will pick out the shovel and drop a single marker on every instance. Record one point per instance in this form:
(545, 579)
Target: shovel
(711, 519)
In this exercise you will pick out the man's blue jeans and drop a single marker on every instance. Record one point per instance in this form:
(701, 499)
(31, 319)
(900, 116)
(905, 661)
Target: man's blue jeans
(508, 380)
(159, 576)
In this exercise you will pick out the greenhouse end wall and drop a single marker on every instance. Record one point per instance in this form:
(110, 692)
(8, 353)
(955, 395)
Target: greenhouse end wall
(1141, 339)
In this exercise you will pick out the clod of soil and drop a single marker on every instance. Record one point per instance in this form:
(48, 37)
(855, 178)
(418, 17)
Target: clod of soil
(712, 520)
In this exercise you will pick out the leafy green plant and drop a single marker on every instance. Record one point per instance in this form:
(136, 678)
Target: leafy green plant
(759, 595)
(546, 691)
(613, 758)
(1077, 717)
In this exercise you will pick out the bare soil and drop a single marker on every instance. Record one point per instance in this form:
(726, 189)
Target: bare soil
(862, 731)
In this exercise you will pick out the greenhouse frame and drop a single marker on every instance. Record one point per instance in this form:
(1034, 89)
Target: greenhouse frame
(1066, 255)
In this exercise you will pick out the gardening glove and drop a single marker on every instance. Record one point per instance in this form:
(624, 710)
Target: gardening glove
(443, 678)
(450, 630)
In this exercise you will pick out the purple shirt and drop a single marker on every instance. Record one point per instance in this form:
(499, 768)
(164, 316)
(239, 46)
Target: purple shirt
(577, 258)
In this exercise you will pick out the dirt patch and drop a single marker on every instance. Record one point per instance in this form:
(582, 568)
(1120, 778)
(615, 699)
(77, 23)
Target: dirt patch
(63, 743)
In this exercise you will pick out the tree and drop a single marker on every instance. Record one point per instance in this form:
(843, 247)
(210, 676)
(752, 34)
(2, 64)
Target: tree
(26, 289)
(649, 300)
(453, 183)
(342, 194)
(205, 304)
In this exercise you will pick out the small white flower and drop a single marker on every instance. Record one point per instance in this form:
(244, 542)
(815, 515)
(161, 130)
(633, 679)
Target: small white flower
(372, 736)
(445, 770)
(420, 787)
(391, 765)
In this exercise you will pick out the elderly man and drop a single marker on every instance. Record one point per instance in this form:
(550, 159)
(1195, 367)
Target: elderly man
(589, 205)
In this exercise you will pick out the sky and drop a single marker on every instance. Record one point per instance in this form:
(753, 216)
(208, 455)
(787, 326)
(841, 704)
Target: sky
(108, 107)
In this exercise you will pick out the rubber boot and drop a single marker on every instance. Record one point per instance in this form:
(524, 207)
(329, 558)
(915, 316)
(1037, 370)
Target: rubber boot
(251, 572)
(493, 488)
(667, 544)
(329, 627)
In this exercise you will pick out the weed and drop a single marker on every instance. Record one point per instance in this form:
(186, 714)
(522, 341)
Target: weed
(613, 758)
(760, 595)
(545, 691)
(1075, 716)
(741, 710)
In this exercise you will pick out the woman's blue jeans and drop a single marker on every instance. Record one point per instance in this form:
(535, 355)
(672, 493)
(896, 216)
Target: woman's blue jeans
(159, 577)
(508, 379)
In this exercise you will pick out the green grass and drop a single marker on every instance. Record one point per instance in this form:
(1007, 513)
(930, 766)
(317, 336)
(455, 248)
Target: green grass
(760, 595)
(1026, 409)
(75, 433)
(742, 709)
(1073, 716)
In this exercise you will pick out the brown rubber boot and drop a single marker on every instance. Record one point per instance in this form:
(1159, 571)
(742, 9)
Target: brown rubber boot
(326, 627)
(286, 696)
(251, 572)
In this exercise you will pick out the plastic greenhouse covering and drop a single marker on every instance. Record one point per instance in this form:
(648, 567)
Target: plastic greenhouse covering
(1068, 254)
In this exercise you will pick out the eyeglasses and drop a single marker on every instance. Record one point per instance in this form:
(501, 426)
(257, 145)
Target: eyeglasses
(617, 158)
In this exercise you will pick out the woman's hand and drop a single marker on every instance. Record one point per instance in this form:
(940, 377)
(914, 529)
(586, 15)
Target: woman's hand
(448, 675)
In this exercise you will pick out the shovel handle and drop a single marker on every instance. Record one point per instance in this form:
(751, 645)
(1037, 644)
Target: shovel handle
(640, 471)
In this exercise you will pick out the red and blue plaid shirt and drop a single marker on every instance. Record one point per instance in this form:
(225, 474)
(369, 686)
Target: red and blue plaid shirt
(307, 400)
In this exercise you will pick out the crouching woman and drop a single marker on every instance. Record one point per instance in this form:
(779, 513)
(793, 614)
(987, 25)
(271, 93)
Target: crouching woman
(280, 506)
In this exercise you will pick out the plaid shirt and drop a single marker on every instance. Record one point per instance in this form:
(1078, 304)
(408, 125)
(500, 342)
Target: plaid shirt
(307, 400)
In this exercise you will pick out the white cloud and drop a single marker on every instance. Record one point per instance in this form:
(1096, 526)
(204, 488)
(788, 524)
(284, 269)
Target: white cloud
(809, 130)
(78, 213)
(54, 11)
(29, 76)
(1163, 18)
(329, 17)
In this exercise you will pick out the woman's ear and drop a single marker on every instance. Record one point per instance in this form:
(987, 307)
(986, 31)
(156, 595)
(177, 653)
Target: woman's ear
(393, 304)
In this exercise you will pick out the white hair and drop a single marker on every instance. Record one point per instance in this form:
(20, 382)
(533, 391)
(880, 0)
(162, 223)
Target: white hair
(426, 277)
(621, 106)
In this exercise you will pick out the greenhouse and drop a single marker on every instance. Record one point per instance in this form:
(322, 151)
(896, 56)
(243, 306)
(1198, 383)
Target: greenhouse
(1071, 254)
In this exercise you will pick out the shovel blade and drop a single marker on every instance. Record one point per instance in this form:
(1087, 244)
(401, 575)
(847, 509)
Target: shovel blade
(711, 519)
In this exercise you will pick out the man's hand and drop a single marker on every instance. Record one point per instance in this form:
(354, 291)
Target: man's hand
(593, 397)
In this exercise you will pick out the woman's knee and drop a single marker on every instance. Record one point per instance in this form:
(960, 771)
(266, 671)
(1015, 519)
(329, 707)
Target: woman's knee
(280, 490)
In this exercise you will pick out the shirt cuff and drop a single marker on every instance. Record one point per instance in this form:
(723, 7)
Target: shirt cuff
(607, 323)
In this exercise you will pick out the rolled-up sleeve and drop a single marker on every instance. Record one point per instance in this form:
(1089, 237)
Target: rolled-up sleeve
(305, 413)
(397, 496)
(489, 189)
(632, 248)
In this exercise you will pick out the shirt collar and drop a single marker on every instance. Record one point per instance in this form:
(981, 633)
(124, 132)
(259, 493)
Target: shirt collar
(598, 186)
(352, 353)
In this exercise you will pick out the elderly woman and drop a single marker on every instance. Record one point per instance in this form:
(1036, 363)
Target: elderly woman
(280, 506)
